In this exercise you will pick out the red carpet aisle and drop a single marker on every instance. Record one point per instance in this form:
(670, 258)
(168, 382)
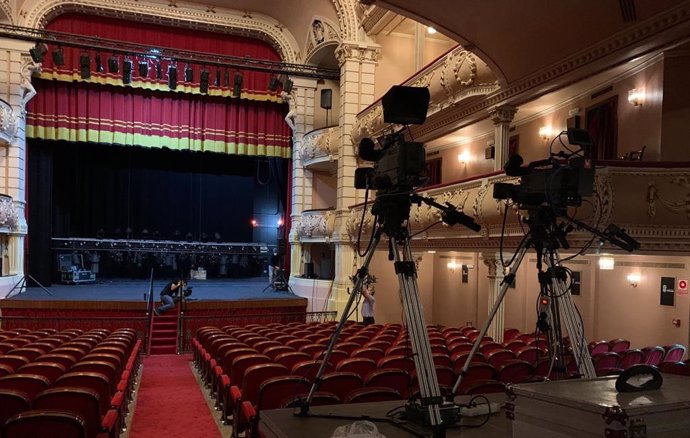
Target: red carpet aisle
(170, 403)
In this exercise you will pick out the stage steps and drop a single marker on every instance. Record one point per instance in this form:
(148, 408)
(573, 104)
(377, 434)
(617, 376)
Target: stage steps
(164, 334)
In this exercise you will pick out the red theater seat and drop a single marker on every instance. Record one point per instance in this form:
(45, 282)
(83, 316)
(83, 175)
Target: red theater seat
(82, 402)
(275, 392)
(45, 424)
(367, 395)
(13, 402)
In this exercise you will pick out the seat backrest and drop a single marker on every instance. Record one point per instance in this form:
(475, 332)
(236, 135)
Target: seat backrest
(13, 361)
(94, 381)
(335, 358)
(674, 353)
(49, 370)
(13, 402)
(241, 363)
(605, 360)
(400, 362)
(480, 371)
(371, 353)
(291, 358)
(619, 345)
(372, 394)
(80, 401)
(255, 375)
(101, 367)
(529, 354)
(630, 358)
(31, 384)
(308, 369)
(389, 378)
(45, 424)
(231, 355)
(598, 347)
(499, 357)
(514, 371)
(653, 355)
(481, 387)
(359, 365)
(340, 383)
(63, 359)
(274, 351)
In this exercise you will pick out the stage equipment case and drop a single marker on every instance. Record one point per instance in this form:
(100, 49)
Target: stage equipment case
(593, 408)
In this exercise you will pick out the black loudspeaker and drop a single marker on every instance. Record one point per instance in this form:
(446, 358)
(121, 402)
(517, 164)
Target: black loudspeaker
(327, 98)
(85, 65)
(127, 71)
(405, 105)
(309, 270)
(203, 81)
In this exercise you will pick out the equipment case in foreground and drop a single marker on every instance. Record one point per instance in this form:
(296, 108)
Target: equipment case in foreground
(593, 408)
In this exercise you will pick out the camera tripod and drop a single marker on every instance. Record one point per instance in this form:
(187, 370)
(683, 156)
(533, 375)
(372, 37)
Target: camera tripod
(557, 307)
(392, 212)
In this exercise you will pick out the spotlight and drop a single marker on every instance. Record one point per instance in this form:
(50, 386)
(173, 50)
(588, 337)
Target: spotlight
(58, 56)
(159, 71)
(127, 71)
(113, 64)
(38, 52)
(287, 85)
(85, 66)
(216, 82)
(273, 83)
(172, 76)
(237, 89)
(99, 63)
(188, 74)
(143, 68)
(203, 81)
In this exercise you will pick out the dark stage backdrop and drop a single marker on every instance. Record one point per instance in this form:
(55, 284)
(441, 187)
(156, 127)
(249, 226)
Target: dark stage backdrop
(112, 188)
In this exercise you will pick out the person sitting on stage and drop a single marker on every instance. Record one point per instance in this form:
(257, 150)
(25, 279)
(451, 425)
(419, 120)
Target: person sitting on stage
(168, 294)
(368, 305)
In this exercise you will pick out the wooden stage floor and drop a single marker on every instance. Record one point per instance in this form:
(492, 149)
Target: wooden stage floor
(135, 290)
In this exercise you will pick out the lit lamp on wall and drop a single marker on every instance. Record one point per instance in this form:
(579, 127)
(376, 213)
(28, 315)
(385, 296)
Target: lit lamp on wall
(464, 157)
(606, 263)
(633, 279)
(636, 96)
(453, 265)
(545, 132)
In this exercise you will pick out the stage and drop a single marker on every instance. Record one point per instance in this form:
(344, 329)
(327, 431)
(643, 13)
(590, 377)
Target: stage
(135, 290)
(122, 303)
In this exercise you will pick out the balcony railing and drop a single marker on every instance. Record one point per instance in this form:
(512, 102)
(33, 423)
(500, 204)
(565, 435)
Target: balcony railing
(320, 144)
(651, 203)
(8, 123)
(8, 213)
(316, 225)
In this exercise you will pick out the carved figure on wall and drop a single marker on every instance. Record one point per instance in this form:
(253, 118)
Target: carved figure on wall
(318, 30)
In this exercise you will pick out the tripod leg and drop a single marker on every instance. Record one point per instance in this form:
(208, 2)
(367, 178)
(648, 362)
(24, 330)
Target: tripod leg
(361, 274)
(522, 250)
(573, 324)
(38, 283)
(421, 350)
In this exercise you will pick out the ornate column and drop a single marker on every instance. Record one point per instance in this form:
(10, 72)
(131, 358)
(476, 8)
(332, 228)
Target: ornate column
(357, 72)
(493, 262)
(301, 120)
(502, 116)
(16, 68)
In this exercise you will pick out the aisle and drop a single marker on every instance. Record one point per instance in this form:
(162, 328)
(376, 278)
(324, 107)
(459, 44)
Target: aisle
(170, 403)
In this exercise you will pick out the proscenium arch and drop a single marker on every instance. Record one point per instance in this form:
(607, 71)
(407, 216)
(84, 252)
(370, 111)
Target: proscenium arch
(347, 16)
(262, 27)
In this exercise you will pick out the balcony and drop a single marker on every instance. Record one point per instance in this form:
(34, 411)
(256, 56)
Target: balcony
(316, 225)
(456, 76)
(651, 201)
(319, 149)
(8, 123)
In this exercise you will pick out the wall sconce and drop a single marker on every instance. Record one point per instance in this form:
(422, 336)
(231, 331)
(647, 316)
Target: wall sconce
(633, 279)
(545, 132)
(453, 265)
(464, 157)
(636, 96)
(606, 263)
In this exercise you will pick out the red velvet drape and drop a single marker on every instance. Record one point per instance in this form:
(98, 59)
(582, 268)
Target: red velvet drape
(101, 110)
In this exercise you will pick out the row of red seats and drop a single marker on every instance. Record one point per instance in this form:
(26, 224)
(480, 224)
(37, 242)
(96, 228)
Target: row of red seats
(69, 379)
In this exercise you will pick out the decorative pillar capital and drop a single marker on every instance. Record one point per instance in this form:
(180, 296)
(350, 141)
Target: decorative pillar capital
(493, 262)
(502, 114)
(360, 52)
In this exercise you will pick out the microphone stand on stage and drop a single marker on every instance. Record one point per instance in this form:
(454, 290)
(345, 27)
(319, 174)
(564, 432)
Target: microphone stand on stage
(392, 211)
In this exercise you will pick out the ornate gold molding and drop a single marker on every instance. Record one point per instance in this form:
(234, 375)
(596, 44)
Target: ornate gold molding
(37, 13)
(320, 143)
(360, 52)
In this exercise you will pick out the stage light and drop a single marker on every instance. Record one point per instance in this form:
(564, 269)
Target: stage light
(143, 68)
(216, 81)
(273, 83)
(237, 89)
(203, 81)
(172, 76)
(58, 56)
(188, 74)
(99, 63)
(85, 66)
(113, 64)
(280, 222)
(159, 71)
(127, 71)
(254, 223)
(226, 78)
(287, 85)
(38, 52)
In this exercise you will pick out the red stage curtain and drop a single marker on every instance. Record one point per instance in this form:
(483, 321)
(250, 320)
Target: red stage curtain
(254, 85)
(135, 117)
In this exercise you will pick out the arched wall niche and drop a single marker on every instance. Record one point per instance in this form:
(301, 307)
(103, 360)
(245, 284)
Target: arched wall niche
(37, 13)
